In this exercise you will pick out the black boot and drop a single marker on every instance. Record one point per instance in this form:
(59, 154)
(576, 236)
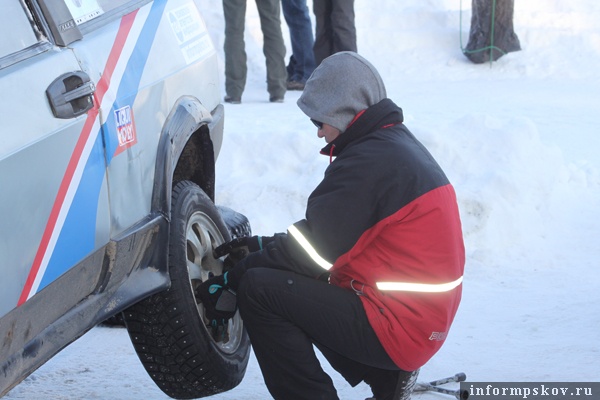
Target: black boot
(406, 384)
(391, 385)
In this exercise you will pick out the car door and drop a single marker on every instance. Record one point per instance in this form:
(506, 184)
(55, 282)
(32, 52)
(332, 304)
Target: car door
(146, 58)
(53, 199)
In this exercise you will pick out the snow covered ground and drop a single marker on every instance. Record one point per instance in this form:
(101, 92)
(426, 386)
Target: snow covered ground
(520, 140)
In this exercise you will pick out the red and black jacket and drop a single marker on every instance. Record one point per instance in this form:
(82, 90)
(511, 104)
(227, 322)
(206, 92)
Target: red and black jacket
(383, 222)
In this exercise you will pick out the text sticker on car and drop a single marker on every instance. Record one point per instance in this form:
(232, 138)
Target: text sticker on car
(191, 33)
(125, 128)
(84, 10)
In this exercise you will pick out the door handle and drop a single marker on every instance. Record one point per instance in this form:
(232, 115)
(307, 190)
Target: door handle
(70, 95)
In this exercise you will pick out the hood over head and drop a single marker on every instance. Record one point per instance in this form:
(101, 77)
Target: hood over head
(343, 85)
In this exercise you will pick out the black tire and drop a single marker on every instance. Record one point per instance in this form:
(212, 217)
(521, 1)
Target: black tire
(168, 330)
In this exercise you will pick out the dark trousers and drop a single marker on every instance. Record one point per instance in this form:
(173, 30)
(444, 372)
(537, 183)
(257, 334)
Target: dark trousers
(285, 314)
(335, 30)
(234, 47)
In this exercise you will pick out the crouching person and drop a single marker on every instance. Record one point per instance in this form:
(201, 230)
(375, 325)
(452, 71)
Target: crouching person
(372, 277)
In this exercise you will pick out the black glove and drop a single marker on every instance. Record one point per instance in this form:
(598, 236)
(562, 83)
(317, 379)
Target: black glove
(220, 303)
(238, 248)
(248, 243)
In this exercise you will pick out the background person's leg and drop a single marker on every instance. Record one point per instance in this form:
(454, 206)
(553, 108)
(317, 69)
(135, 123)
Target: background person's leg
(323, 46)
(273, 48)
(234, 12)
(343, 27)
(301, 36)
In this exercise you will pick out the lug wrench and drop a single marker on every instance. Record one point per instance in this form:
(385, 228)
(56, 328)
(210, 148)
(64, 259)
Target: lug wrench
(433, 386)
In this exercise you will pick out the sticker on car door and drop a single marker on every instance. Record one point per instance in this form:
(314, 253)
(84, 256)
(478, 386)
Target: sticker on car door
(125, 127)
(191, 33)
(83, 10)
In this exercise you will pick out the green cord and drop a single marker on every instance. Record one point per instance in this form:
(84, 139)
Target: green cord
(491, 47)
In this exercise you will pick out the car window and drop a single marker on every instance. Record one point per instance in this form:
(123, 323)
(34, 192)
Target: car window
(16, 29)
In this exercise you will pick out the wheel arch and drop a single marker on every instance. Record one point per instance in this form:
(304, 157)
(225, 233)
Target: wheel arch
(189, 143)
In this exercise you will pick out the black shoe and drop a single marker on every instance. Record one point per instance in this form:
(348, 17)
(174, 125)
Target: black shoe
(391, 385)
(233, 100)
(406, 384)
(295, 85)
(276, 99)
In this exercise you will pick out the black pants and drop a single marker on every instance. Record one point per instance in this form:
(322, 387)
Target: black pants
(285, 314)
(334, 29)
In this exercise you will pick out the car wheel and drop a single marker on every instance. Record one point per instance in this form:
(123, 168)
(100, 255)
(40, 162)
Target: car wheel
(169, 331)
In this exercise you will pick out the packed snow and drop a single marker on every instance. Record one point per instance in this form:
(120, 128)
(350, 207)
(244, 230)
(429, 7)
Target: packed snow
(518, 138)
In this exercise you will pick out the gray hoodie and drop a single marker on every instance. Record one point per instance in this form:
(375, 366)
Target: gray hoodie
(343, 85)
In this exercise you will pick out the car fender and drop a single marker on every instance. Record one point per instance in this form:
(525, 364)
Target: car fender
(189, 127)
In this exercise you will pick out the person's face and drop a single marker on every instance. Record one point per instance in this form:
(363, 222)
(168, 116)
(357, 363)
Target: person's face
(326, 131)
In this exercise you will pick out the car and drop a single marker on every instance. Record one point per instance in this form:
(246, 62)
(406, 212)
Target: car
(111, 126)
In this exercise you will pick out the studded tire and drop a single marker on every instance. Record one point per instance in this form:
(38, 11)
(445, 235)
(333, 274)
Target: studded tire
(168, 330)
